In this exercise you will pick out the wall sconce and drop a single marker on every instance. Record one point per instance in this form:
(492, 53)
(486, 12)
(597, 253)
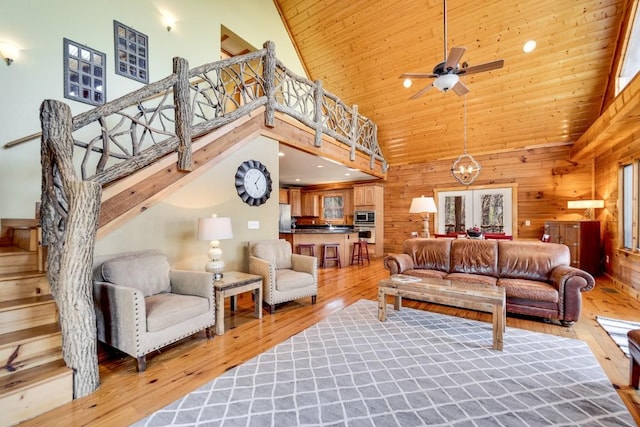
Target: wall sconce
(587, 205)
(9, 52)
(169, 21)
(423, 206)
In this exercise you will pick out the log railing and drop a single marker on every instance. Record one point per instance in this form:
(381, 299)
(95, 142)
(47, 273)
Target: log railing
(81, 154)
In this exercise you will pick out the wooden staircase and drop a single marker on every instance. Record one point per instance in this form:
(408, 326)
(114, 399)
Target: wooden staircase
(33, 377)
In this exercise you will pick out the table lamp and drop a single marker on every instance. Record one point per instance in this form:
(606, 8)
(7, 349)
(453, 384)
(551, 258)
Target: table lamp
(215, 229)
(423, 206)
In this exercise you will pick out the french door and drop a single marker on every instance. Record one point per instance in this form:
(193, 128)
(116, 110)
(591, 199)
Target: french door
(489, 209)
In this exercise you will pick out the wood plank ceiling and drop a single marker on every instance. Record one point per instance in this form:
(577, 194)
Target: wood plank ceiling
(545, 98)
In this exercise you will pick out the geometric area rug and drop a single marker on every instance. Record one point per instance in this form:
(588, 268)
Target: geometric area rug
(416, 368)
(617, 330)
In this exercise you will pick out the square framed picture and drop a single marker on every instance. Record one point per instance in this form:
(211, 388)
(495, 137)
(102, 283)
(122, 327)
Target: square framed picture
(131, 52)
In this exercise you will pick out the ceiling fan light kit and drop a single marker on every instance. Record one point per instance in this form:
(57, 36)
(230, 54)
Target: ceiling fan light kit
(446, 82)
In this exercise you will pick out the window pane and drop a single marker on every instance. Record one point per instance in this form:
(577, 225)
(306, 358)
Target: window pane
(627, 206)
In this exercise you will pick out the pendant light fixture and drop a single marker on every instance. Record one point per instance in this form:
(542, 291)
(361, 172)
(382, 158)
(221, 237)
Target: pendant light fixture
(465, 169)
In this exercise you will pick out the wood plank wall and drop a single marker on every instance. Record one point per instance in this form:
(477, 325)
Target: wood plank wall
(545, 177)
(623, 266)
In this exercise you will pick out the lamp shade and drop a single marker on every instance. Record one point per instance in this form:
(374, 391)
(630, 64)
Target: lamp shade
(446, 81)
(423, 204)
(214, 228)
(585, 204)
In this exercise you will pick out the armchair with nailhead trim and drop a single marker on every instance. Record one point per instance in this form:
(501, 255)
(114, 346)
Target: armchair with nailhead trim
(143, 305)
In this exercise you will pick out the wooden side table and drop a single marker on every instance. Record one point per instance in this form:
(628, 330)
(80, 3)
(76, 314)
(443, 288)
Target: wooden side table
(232, 284)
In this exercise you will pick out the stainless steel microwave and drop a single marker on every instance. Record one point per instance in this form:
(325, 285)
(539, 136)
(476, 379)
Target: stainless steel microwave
(364, 218)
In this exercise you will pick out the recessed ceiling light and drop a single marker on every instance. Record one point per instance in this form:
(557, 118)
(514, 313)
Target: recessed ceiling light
(319, 166)
(407, 83)
(297, 179)
(529, 46)
(281, 154)
(347, 174)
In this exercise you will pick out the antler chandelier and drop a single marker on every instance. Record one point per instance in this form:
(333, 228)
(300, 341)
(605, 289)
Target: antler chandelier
(465, 169)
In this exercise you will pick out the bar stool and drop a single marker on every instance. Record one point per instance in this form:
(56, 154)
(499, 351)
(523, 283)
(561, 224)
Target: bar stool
(360, 252)
(311, 247)
(336, 253)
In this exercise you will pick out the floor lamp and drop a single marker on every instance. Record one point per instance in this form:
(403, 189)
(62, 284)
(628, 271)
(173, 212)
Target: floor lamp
(423, 206)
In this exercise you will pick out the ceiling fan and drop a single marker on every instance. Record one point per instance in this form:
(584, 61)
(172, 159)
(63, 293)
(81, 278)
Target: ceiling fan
(447, 72)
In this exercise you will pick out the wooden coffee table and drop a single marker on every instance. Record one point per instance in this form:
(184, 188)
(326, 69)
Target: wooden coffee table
(232, 284)
(490, 299)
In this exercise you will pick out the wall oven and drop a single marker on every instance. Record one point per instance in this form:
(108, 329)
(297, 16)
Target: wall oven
(366, 218)
(367, 233)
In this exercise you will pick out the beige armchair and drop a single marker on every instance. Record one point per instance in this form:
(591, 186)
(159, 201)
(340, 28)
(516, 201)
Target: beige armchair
(142, 305)
(285, 276)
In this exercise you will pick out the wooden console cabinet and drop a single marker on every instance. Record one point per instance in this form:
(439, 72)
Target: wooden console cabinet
(583, 240)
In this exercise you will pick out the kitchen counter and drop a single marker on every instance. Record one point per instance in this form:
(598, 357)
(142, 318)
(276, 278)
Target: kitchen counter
(318, 236)
(336, 230)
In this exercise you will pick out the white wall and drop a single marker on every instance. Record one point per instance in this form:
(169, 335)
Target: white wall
(37, 27)
(171, 225)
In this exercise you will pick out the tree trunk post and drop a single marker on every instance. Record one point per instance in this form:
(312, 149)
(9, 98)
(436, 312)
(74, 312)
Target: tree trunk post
(69, 217)
(317, 116)
(270, 83)
(182, 113)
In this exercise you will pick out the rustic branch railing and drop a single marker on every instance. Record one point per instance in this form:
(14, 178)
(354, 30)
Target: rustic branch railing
(81, 154)
(135, 130)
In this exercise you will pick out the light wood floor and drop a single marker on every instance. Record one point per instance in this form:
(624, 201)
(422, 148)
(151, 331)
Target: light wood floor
(126, 396)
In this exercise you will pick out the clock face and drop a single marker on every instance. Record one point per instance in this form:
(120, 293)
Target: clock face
(253, 182)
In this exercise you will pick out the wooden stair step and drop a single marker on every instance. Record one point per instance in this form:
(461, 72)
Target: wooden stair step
(24, 313)
(28, 348)
(34, 391)
(15, 260)
(22, 285)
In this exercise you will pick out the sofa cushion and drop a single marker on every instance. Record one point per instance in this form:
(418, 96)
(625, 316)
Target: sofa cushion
(164, 310)
(474, 256)
(433, 254)
(287, 280)
(477, 279)
(146, 271)
(423, 272)
(529, 290)
(530, 260)
(277, 252)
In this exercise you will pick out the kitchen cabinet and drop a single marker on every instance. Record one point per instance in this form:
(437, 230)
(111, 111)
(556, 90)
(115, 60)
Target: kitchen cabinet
(295, 200)
(310, 204)
(583, 240)
(367, 195)
(283, 196)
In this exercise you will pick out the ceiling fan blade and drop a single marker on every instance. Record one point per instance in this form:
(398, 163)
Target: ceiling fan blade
(454, 57)
(460, 89)
(482, 67)
(421, 92)
(417, 75)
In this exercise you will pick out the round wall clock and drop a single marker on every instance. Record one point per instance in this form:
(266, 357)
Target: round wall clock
(253, 182)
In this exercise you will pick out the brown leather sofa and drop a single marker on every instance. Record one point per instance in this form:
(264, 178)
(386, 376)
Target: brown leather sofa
(537, 276)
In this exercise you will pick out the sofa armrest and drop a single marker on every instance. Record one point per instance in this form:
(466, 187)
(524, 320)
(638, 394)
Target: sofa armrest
(570, 282)
(398, 263)
(261, 267)
(561, 275)
(305, 264)
(198, 283)
(120, 316)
